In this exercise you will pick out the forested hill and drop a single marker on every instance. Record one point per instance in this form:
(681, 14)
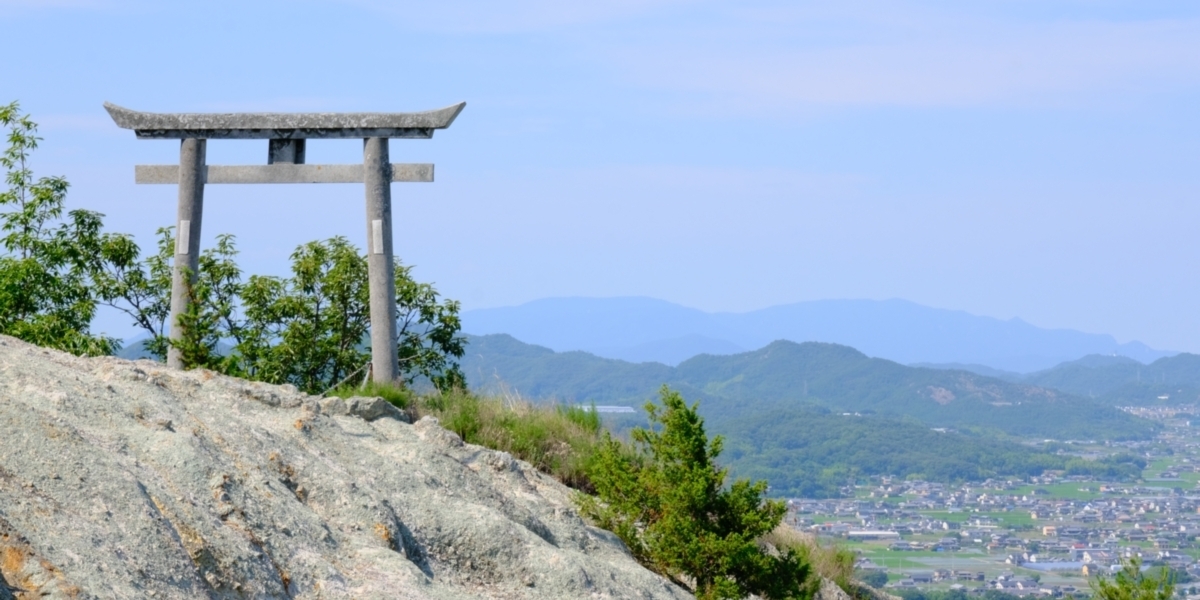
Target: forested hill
(787, 375)
(1110, 379)
(1123, 381)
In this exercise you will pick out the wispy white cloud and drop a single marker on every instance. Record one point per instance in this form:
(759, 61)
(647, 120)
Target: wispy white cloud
(768, 56)
(963, 63)
(516, 16)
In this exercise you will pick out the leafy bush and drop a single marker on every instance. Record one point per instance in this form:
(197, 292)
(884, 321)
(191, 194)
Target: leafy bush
(49, 264)
(669, 502)
(309, 330)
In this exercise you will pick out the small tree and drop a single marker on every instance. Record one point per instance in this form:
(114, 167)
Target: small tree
(1131, 583)
(668, 501)
(49, 264)
(309, 329)
(428, 344)
(211, 318)
(142, 290)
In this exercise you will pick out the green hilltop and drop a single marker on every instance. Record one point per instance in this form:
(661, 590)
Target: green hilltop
(790, 375)
(810, 417)
(1120, 381)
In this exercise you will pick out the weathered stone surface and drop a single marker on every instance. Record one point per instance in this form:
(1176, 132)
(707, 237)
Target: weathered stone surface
(373, 408)
(830, 591)
(281, 173)
(124, 479)
(283, 125)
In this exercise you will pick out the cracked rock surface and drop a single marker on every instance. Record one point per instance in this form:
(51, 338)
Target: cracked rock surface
(123, 479)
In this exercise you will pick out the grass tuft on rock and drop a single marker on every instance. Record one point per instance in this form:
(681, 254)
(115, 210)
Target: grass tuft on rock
(399, 397)
(832, 562)
(558, 440)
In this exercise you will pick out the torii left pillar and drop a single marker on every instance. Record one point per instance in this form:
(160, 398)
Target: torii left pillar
(288, 133)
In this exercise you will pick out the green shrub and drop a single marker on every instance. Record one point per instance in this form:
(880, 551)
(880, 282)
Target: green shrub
(669, 502)
(309, 329)
(52, 264)
(586, 418)
(875, 579)
(1131, 583)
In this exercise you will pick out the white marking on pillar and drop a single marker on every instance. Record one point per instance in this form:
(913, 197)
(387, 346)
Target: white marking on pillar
(377, 236)
(182, 237)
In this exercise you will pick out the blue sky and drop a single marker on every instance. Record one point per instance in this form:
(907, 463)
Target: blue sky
(1029, 159)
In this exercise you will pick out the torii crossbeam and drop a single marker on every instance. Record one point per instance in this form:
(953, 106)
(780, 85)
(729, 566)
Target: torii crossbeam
(288, 133)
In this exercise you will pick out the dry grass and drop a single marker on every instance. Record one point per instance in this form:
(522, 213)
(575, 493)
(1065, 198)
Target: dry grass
(557, 440)
(831, 562)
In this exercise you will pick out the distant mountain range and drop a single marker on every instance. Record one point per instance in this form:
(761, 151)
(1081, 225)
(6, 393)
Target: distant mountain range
(787, 375)
(645, 330)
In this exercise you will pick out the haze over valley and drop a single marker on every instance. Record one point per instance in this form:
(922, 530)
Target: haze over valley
(1003, 396)
(639, 329)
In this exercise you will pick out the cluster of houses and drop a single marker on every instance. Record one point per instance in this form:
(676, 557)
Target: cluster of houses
(1028, 529)
(1006, 582)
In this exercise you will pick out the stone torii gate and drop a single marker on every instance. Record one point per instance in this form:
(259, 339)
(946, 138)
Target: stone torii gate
(287, 134)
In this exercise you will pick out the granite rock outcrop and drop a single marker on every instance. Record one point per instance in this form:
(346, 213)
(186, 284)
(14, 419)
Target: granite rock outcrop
(124, 479)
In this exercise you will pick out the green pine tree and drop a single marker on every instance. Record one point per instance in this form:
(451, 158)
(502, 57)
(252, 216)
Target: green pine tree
(1131, 583)
(668, 501)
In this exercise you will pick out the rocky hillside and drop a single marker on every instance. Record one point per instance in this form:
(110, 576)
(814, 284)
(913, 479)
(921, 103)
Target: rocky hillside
(124, 479)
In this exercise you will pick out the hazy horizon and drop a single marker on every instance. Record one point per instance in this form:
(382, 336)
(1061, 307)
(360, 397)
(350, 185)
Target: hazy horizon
(641, 329)
(758, 308)
(1006, 159)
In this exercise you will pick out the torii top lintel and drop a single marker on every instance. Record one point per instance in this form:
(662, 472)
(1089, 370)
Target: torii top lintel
(414, 125)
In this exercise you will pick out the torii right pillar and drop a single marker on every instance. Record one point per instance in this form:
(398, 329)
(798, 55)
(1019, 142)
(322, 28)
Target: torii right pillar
(381, 272)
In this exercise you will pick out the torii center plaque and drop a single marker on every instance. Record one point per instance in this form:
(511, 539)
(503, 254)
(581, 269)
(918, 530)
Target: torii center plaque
(287, 134)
